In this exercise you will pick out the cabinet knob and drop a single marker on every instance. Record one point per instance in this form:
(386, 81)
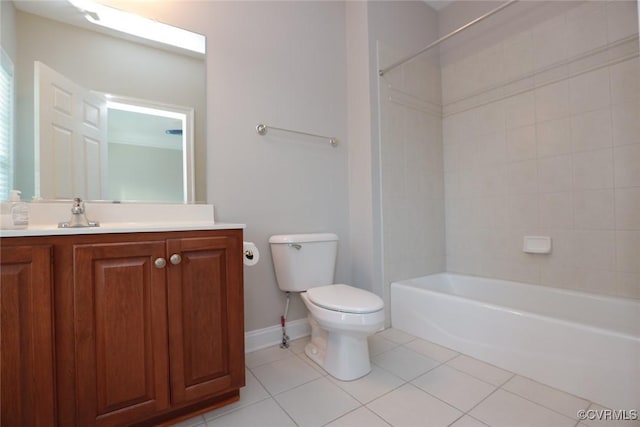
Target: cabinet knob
(175, 259)
(160, 262)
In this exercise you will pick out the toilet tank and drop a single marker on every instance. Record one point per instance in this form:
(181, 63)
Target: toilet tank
(304, 261)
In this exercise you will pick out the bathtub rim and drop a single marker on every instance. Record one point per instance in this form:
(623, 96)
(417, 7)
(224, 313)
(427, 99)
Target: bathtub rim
(519, 312)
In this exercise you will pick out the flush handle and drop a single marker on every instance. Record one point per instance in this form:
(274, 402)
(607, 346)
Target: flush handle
(160, 262)
(295, 246)
(175, 259)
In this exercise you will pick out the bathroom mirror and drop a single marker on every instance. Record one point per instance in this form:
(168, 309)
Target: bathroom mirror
(150, 158)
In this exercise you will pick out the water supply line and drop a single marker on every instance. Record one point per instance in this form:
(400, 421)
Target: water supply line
(283, 323)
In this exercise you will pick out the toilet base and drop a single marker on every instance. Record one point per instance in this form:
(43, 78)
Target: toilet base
(344, 355)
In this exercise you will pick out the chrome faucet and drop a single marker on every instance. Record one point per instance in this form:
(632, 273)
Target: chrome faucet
(78, 216)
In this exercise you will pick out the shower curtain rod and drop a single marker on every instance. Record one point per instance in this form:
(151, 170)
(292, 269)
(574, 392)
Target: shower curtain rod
(443, 38)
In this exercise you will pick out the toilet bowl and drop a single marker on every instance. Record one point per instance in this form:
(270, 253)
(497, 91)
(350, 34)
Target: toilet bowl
(339, 339)
(341, 316)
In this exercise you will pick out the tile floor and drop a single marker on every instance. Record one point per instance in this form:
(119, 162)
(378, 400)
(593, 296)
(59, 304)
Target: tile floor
(413, 383)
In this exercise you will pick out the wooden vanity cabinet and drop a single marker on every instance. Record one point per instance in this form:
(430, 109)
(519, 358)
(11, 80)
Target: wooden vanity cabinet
(26, 336)
(156, 328)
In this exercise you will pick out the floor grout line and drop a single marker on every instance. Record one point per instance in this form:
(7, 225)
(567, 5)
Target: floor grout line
(480, 402)
(402, 382)
(541, 405)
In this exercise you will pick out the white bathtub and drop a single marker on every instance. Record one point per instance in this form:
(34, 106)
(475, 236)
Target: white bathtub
(585, 344)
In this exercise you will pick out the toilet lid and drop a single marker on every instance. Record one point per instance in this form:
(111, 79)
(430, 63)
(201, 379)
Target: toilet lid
(345, 298)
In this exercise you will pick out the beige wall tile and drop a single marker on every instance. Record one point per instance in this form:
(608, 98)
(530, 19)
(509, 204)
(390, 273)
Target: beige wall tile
(558, 277)
(625, 81)
(555, 174)
(594, 250)
(591, 130)
(621, 19)
(589, 91)
(594, 209)
(552, 101)
(553, 137)
(521, 143)
(561, 159)
(627, 208)
(520, 110)
(523, 177)
(593, 169)
(518, 55)
(587, 27)
(562, 247)
(628, 252)
(550, 41)
(556, 210)
(628, 285)
(489, 118)
(523, 212)
(596, 281)
(625, 123)
(626, 161)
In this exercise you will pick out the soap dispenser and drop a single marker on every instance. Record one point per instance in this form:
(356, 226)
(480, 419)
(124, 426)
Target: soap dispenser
(15, 212)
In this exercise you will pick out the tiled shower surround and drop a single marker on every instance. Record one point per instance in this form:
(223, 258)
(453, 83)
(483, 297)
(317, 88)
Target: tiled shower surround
(540, 116)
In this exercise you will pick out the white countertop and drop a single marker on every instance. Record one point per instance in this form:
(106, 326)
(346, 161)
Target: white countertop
(123, 227)
(120, 218)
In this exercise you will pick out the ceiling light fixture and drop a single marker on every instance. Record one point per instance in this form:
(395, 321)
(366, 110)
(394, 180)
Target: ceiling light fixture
(139, 26)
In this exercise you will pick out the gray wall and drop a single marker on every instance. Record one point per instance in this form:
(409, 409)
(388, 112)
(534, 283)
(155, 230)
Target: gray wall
(282, 64)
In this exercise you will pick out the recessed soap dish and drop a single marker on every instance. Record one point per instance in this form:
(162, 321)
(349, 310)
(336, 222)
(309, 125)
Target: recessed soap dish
(537, 244)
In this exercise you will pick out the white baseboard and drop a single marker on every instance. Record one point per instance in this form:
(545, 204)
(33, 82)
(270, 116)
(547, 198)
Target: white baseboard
(261, 338)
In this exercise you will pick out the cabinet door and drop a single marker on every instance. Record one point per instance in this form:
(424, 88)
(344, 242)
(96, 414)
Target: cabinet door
(26, 337)
(206, 333)
(120, 332)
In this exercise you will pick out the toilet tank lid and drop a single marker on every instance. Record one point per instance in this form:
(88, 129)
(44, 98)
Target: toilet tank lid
(303, 238)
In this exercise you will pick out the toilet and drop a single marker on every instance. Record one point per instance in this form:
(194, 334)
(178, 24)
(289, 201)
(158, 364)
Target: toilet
(341, 316)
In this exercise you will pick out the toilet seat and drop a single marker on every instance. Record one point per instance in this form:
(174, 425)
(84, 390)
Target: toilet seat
(345, 299)
(344, 322)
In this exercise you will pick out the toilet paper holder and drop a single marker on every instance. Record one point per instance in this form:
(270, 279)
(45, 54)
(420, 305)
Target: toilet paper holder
(250, 254)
